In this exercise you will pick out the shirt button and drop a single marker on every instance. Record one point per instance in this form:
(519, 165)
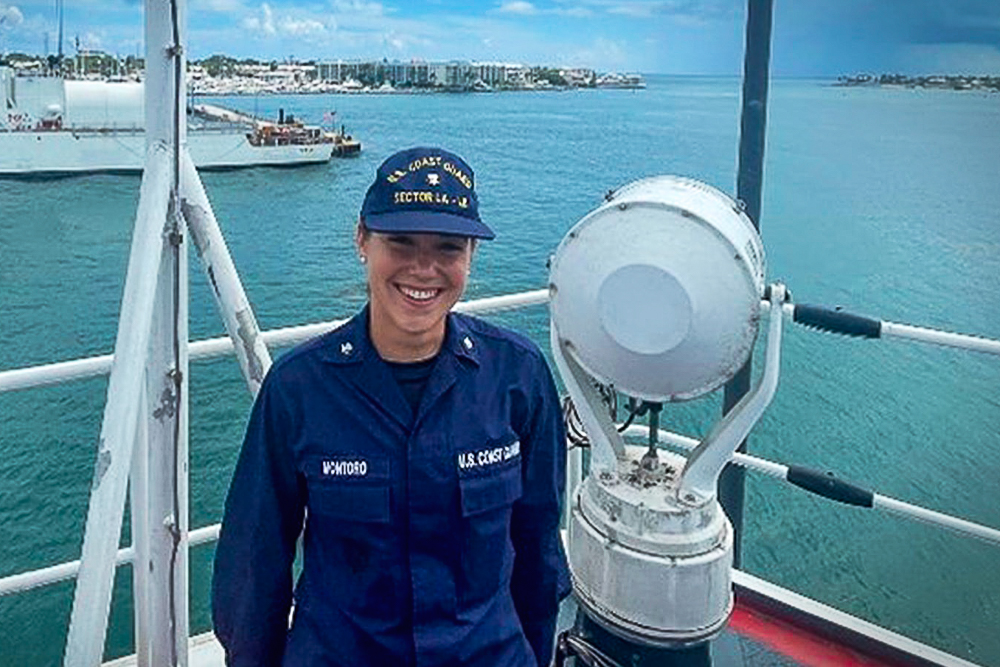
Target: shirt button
(346, 348)
(467, 342)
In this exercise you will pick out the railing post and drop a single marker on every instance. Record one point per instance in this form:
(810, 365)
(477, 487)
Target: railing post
(166, 421)
(167, 367)
(749, 183)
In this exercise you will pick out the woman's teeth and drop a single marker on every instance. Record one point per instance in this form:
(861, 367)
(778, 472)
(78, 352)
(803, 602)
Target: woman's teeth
(419, 294)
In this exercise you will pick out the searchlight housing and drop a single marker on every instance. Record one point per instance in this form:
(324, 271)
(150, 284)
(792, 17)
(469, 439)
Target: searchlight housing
(657, 293)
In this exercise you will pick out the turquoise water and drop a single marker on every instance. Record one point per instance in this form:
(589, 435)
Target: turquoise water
(885, 201)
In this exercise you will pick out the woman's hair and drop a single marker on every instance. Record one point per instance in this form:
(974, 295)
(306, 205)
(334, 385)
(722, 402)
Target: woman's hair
(364, 232)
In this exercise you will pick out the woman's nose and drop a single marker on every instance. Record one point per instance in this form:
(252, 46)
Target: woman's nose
(425, 258)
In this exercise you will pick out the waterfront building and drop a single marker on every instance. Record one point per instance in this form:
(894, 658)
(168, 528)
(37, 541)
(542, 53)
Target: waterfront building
(421, 73)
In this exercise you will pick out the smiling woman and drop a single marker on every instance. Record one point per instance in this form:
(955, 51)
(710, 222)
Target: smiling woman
(425, 451)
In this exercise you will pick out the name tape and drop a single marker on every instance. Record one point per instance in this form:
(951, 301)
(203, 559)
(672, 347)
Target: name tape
(488, 457)
(358, 468)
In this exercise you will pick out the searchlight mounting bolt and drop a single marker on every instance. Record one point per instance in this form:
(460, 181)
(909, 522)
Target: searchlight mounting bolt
(651, 460)
(606, 477)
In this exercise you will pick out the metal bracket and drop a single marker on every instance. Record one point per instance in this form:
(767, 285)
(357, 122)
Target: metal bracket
(607, 445)
(701, 473)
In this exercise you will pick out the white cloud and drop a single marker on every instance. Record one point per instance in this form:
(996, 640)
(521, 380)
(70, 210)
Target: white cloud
(602, 54)
(524, 8)
(10, 16)
(91, 40)
(264, 23)
(300, 27)
(517, 7)
(358, 7)
(576, 12)
(634, 9)
(271, 24)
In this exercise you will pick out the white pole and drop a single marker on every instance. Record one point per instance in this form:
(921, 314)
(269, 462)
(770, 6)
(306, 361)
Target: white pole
(167, 366)
(945, 338)
(166, 500)
(92, 599)
(224, 281)
(138, 491)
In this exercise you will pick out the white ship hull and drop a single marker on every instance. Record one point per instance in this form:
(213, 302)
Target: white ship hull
(66, 151)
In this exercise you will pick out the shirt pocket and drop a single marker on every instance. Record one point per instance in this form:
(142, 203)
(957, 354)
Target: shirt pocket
(349, 489)
(487, 500)
(350, 549)
(492, 490)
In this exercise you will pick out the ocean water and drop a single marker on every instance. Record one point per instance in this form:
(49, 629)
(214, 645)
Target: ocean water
(884, 201)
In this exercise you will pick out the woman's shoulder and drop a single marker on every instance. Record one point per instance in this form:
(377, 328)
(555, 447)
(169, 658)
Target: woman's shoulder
(316, 352)
(495, 336)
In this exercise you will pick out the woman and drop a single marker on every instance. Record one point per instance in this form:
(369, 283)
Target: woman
(421, 454)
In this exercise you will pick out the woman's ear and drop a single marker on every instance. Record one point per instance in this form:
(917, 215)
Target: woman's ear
(360, 236)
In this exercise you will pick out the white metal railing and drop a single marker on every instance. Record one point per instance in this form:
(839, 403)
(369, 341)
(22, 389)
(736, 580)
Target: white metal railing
(78, 369)
(82, 368)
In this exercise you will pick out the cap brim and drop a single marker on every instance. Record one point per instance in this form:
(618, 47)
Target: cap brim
(427, 222)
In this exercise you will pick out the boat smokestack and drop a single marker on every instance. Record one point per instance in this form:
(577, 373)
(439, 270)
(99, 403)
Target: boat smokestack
(281, 116)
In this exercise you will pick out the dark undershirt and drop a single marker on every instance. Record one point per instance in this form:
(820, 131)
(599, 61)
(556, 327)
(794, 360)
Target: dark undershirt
(412, 378)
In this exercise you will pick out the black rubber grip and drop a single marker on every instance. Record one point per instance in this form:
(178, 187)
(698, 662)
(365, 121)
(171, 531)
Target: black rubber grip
(828, 486)
(837, 321)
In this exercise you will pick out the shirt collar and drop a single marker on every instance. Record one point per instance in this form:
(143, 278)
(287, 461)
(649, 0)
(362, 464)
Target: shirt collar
(351, 343)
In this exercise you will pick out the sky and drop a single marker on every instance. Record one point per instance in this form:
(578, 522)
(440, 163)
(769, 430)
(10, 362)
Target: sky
(823, 38)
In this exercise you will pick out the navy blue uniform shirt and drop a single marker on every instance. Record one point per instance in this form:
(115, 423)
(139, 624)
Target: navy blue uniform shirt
(429, 538)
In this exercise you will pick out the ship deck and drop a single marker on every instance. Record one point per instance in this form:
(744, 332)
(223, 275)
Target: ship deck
(770, 626)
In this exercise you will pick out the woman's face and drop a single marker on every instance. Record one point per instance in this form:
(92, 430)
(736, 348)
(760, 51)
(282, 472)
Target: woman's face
(413, 280)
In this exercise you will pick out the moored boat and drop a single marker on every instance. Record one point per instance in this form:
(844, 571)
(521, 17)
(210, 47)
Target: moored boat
(53, 125)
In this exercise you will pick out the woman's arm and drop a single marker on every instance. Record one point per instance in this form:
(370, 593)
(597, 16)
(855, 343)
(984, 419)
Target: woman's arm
(252, 581)
(541, 577)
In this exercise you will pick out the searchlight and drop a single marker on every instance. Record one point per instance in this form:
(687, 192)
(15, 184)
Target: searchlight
(658, 295)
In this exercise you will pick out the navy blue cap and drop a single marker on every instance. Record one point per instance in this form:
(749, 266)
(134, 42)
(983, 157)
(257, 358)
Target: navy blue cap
(424, 190)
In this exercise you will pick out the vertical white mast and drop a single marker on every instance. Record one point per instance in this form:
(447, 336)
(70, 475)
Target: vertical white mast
(151, 362)
(147, 407)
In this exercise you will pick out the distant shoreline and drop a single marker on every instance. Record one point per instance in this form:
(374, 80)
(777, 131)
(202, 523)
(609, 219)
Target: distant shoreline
(938, 81)
(399, 91)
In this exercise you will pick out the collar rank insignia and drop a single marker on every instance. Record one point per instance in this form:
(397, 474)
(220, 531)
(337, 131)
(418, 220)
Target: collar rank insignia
(346, 348)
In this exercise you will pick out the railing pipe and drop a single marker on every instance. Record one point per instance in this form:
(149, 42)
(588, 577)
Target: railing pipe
(78, 369)
(780, 471)
(26, 581)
